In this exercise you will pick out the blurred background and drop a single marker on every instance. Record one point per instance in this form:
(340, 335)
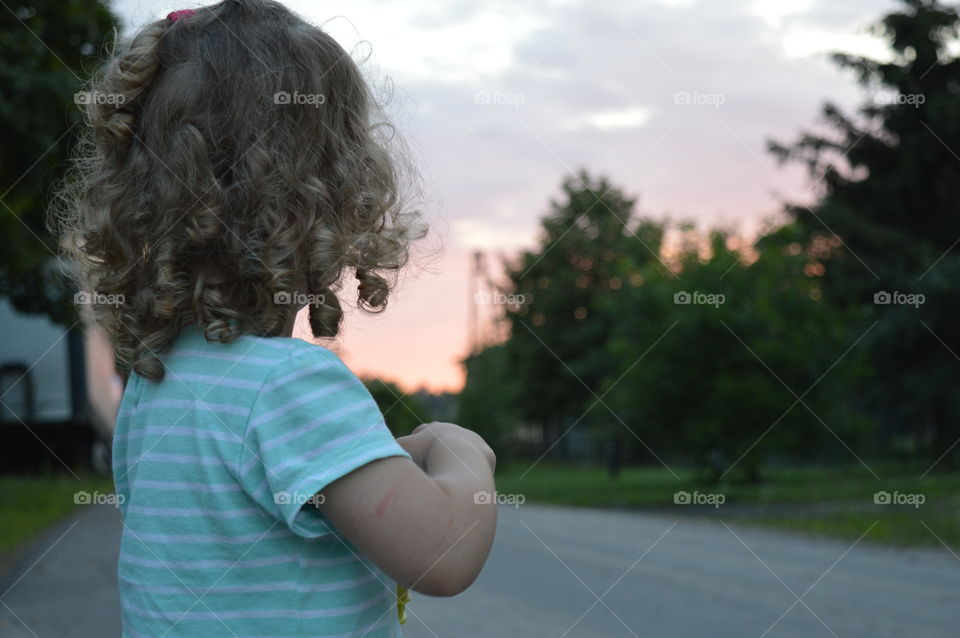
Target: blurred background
(692, 270)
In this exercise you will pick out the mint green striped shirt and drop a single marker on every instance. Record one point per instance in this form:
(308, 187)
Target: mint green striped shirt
(216, 464)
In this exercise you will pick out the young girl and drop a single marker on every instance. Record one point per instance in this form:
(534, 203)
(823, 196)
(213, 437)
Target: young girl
(235, 172)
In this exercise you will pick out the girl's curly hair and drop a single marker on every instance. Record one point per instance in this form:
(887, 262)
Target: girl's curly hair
(236, 161)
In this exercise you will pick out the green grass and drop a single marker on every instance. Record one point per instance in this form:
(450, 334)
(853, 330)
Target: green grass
(30, 504)
(836, 502)
(787, 499)
(937, 527)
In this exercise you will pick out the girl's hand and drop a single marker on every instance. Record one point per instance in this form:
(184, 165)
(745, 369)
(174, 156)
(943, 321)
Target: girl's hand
(431, 432)
(417, 445)
(409, 521)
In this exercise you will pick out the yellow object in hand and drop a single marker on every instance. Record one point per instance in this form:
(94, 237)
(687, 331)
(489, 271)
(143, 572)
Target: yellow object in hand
(403, 597)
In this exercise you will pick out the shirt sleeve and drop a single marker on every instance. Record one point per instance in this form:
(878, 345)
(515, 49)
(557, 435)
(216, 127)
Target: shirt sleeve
(312, 422)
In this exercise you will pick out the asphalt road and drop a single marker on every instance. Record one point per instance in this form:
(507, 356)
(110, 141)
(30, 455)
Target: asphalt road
(578, 573)
(66, 586)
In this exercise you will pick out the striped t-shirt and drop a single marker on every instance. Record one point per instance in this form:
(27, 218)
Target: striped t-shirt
(216, 464)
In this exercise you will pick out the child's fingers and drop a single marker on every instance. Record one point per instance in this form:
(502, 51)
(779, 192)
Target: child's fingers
(420, 428)
(416, 447)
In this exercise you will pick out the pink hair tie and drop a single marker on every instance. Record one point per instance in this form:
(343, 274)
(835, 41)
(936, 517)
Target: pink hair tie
(173, 16)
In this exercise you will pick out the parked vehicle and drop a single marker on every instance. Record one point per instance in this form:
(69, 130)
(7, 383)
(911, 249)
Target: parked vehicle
(59, 393)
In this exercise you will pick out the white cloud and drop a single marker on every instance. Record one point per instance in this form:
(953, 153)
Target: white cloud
(489, 234)
(418, 39)
(773, 12)
(804, 42)
(633, 117)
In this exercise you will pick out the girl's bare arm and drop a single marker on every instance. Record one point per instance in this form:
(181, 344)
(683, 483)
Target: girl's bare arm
(420, 521)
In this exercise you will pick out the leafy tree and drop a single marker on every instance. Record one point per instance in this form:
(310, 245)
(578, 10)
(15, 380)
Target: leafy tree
(47, 47)
(488, 401)
(887, 218)
(710, 362)
(557, 337)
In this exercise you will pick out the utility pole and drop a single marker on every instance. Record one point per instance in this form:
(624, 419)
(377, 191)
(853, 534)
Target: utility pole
(478, 290)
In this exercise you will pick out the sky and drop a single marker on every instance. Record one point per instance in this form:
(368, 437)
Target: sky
(672, 100)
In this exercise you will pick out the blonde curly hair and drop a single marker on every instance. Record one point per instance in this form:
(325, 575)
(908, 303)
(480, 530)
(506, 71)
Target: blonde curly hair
(236, 159)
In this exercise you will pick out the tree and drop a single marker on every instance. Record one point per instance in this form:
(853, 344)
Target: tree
(709, 361)
(488, 402)
(556, 344)
(47, 47)
(887, 218)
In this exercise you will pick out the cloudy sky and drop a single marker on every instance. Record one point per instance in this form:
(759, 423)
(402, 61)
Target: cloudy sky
(500, 100)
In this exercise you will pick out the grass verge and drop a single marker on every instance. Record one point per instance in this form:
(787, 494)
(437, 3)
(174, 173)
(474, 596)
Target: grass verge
(837, 502)
(30, 504)
(937, 527)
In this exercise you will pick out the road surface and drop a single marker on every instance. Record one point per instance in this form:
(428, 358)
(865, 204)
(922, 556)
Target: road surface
(569, 572)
